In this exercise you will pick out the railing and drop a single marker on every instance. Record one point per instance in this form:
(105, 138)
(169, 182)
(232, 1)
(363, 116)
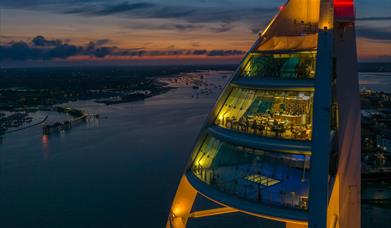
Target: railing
(242, 188)
(268, 127)
(271, 113)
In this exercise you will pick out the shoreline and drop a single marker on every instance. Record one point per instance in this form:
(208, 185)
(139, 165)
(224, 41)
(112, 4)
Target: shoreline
(26, 127)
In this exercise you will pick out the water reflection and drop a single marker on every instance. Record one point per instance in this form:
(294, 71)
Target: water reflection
(45, 146)
(92, 122)
(152, 137)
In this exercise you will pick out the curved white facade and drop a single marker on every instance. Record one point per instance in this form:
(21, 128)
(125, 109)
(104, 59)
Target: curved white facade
(283, 140)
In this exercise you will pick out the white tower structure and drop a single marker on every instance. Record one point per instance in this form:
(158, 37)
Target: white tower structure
(283, 140)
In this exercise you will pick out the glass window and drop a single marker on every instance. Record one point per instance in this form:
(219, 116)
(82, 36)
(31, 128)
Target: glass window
(270, 113)
(263, 176)
(299, 65)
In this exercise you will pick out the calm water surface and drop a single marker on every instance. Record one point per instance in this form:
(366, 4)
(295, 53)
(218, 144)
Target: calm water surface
(121, 170)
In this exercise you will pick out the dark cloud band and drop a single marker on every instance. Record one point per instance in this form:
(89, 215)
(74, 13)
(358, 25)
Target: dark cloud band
(373, 18)
(41, 48)
(380, 34)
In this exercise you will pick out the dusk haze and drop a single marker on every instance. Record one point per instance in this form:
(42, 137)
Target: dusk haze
(172, 31)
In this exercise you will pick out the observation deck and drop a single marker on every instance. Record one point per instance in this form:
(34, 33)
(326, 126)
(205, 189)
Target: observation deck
(256, 151)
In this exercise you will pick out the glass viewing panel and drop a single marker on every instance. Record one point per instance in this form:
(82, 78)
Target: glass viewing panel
(270, 113)
(265, 177)
(298, 65)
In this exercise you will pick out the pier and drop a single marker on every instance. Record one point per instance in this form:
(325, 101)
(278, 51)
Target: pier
(80, 117)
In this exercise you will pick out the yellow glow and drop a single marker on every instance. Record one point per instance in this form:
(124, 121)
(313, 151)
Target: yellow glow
(177, 210)
(270, 113)
(263, 180)
(285, 220)
(326, 15)
(299, 42)
(212, 212)
(182, 204)
(333, 208)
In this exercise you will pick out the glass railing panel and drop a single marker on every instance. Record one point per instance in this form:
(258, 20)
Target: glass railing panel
(270, 113)
(297, 65)
(265, 177)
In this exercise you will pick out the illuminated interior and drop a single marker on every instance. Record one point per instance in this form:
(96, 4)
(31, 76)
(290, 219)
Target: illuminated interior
(296, 43)
(298, 65)
(265, 177)
(259, 179)
(271, 113)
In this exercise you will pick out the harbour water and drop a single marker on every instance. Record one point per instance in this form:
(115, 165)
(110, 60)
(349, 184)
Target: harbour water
(121, 170)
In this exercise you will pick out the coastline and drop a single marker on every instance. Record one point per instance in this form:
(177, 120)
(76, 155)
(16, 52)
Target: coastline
(26, 127)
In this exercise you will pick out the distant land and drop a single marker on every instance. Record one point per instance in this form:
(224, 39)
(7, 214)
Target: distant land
(374, 67)
(363, 66)
(22, 88)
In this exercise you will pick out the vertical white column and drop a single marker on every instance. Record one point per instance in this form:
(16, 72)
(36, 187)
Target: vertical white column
(321, 148)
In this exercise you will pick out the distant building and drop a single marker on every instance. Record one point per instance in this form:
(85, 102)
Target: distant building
(383, 141)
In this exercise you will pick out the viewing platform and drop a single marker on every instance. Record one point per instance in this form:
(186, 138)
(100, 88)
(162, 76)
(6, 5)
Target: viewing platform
(256, 207)
(289, 146)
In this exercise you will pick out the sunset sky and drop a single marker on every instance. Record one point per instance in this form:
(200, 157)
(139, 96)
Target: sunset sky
(123, 30)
